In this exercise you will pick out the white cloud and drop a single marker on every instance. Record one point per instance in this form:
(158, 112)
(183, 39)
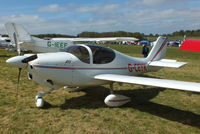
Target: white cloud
(22, 18)
(51, 8)
(157, 3)
(98, 8)
(110, 17)
(153, 3)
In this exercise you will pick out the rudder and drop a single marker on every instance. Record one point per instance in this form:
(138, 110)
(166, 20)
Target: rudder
(21, 34)
(158, 51)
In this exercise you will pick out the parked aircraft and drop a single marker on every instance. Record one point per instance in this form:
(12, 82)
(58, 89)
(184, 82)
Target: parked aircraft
(28, 42)
(4, 41)
(91, 65)
(97, 39)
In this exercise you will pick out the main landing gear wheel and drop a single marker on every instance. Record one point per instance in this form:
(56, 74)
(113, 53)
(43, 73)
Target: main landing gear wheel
(116, 100)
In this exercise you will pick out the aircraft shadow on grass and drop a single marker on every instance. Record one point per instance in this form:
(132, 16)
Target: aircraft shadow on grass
(5, 56)
(140, 101)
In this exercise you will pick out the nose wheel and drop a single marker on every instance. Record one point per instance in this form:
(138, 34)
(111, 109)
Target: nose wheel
(39, 102)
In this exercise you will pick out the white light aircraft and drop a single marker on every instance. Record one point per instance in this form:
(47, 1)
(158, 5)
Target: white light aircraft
(4, 41)
(91, 65)
(28, 42)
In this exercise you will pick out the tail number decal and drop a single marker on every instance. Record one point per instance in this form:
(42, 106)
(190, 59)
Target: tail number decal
(137, 67)
(56, 44)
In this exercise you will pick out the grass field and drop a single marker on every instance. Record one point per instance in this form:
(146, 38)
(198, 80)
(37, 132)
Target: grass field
(152, 110)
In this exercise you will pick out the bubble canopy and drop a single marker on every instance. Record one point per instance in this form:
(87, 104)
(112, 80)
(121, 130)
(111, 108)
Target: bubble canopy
(99, 54)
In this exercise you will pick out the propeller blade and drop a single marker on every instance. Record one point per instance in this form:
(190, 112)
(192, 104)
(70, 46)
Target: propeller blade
(16, 43)
(18, 79)
(30, 58)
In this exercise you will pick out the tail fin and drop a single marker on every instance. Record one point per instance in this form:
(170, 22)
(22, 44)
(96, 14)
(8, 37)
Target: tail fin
(158, 51)
(156, 57)
(21, 34)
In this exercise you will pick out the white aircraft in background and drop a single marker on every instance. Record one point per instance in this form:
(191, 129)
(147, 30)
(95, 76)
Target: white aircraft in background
(28, 42)
(97, 39)
(91, 65)
(4, 41)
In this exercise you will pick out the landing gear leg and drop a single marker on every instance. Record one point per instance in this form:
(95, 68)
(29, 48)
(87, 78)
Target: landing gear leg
(39, 99)
(111, 88)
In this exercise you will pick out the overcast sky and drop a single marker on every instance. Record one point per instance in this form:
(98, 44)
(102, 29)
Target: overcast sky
(75, 16)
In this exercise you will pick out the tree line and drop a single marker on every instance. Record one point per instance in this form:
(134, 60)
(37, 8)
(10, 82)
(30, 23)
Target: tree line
(140, 36)
(54, 36)
(86, 34)
(112, 34)
(187, 33)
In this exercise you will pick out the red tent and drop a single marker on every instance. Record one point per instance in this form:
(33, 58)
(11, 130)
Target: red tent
(191, 45)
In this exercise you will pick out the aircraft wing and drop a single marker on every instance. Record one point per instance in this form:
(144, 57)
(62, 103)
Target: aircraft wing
(98, 39)
(167, 63)
(181, 85)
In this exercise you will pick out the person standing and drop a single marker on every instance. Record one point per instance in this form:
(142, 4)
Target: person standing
(145, 50)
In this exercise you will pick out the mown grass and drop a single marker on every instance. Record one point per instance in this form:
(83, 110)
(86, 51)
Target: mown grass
(152, 110)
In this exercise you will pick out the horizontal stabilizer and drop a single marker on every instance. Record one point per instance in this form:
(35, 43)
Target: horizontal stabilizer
(181, 85)
(167, 63)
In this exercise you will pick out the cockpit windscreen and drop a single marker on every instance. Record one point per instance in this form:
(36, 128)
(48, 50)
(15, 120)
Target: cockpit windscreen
(80, 52)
